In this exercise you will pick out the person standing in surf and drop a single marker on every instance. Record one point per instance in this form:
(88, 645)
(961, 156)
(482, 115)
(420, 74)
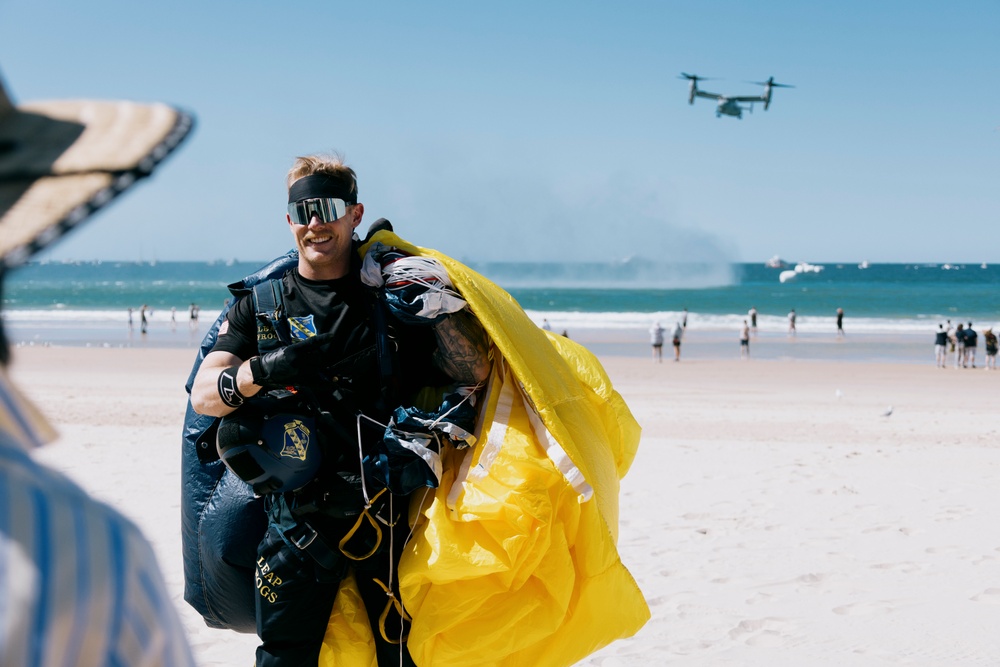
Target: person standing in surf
(656, 339)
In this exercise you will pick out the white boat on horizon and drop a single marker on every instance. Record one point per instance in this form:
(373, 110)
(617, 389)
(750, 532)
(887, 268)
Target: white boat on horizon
(776, 263)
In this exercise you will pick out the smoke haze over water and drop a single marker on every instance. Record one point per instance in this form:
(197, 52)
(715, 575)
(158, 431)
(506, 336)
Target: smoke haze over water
(500, 211)
(635, 273)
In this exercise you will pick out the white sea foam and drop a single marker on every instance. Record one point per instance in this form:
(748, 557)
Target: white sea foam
(62, 317)
(698, 321)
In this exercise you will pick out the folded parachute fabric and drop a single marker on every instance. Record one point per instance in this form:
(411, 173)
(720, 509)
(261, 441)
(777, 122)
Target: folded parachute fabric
(513, 559)
(408, 456)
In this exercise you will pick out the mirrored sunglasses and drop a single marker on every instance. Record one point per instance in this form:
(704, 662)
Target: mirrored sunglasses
(327, 209)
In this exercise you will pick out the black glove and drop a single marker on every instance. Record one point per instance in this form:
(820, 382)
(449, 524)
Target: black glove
(291, 365)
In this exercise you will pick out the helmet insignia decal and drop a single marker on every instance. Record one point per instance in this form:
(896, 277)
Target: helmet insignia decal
(302, 327)
(296, 440)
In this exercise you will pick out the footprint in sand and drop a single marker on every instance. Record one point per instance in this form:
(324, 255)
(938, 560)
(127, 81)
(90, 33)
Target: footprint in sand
(758, 597)
(768, 632)
(866, 608)
(903, 566)
(945, 550)
(953, 513)
(611, 661)
(989, 596)
(810, 578)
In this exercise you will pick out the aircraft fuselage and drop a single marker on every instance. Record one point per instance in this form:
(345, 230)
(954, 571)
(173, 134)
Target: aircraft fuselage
(729, 108)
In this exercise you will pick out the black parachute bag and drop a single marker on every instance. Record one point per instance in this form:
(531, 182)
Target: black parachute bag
(221, 521)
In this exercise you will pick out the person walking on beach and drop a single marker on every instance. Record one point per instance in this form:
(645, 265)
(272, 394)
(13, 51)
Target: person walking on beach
(130, 325)
(791, 322)
(840, 322)
(959, 341)
(753, 319)
(656, 339)
(971, 342)
(80, 582)
(745, 341)
(676, 335)
(546, 326)
(332, 362)
(684, 319)
(143, 322)
(990, 340)
(940, 346)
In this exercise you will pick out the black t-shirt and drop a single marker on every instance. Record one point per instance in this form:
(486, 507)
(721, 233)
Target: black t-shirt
(343, 306)
(941, 338)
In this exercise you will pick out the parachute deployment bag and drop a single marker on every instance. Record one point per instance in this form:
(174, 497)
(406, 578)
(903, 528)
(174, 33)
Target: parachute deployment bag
(221, 521)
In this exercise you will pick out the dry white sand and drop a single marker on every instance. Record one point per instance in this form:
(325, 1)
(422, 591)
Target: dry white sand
(774, 515)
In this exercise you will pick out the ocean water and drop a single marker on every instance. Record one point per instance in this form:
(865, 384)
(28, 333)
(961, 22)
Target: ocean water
(626, 296)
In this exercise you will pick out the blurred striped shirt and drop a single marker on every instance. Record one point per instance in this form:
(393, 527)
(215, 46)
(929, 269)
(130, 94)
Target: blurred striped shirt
(79, 585)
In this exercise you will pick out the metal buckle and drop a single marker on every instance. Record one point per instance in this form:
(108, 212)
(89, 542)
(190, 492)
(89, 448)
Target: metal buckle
(309, 533)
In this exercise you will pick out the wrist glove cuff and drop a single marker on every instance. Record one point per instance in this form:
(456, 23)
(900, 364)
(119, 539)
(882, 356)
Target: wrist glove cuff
(256, 371)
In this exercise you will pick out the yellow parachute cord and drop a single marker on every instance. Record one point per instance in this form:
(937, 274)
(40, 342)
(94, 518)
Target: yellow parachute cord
(354, 529)
(392, 603)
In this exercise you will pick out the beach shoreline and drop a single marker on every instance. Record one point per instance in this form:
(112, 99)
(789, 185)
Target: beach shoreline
(698, 343)
(782, 512)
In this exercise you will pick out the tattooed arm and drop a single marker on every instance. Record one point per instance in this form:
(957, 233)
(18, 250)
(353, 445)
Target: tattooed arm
(463, 348)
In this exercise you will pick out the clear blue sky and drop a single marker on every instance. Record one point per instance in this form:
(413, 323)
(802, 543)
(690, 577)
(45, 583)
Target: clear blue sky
(536, 130)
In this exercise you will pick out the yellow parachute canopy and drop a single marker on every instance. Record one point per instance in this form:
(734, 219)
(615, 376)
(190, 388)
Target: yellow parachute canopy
(513, 559)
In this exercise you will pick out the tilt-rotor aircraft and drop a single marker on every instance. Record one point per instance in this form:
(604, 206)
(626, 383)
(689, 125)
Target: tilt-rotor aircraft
(732, 105)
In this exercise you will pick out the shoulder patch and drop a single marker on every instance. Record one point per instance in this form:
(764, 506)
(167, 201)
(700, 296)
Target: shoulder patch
(224, 327)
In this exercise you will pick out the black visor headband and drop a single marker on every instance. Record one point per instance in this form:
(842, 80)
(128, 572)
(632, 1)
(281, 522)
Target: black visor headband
(318, 186)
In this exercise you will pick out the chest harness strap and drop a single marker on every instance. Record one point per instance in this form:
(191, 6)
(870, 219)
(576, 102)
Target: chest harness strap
(269, 310)
(269, 307)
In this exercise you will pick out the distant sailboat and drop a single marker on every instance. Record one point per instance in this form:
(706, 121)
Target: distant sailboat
(864, 264)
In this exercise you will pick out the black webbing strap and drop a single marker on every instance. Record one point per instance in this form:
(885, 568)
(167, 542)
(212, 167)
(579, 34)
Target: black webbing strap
(305, 538)
(269, 307)
(387, 362)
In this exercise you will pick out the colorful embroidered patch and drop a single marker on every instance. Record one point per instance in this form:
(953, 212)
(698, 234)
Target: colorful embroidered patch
(302, 327)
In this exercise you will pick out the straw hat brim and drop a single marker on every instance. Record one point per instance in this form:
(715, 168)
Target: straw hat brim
(63, 160)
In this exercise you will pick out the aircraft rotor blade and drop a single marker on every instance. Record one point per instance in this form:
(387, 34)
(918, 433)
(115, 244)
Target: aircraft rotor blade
(771, 82)
(694, 77)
